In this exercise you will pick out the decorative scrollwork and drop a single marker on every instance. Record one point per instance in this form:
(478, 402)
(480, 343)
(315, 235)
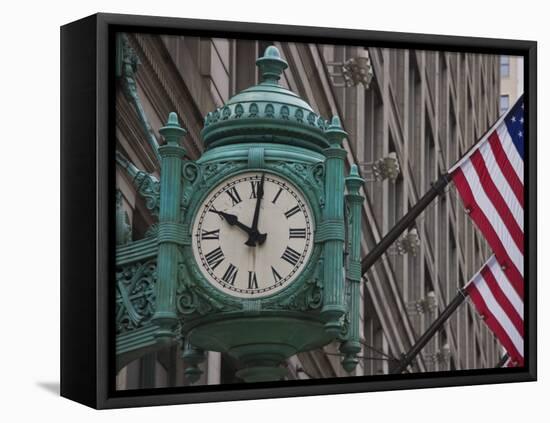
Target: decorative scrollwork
(310, 297)
(311, 175)
(189, 299)
(149, 188)
(190, 171)
(212, 170)
(318, 173)
(135, 295)
(152, 230)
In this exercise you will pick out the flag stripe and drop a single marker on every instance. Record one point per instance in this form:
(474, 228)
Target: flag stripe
(496, 301)
(503, 301)
(485, 227)
(500, 182)
(494, 325)
(515, 300)
(511, 151)
(492, 217)
(495, 198)
(515, 183)
(494, 308)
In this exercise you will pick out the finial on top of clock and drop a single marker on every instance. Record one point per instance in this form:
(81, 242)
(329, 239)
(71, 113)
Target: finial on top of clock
(335, 133)
(271, 65)
(172, 131)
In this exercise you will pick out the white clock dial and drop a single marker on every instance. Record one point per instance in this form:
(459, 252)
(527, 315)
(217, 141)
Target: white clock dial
(242, 261)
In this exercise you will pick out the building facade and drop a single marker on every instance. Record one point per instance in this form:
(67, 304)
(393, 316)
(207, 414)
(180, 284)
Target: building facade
(511, 81)
(424, 108)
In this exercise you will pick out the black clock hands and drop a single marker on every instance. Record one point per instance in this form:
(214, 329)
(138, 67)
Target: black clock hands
(234, 221)
(256, 236)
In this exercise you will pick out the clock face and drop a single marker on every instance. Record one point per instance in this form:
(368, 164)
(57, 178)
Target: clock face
(251, 245)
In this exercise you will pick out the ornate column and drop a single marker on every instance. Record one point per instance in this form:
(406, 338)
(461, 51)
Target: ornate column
(352, 345)
(171, 232)
(332, 231)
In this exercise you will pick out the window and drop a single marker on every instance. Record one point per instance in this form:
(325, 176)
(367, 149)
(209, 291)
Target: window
(504, 103)
(504, 66)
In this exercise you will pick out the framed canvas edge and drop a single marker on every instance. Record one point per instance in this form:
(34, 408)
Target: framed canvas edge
(78, 340)
(104, 397)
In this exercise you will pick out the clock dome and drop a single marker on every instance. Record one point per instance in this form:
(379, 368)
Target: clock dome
(266, 112)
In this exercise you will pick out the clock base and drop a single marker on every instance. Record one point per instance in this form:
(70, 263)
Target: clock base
(261, 373)
(262, 344)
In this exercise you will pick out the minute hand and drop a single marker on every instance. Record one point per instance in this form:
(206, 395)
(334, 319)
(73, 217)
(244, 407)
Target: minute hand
(256, 236)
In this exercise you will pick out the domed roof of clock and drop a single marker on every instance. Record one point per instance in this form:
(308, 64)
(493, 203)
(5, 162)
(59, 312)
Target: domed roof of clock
(267, 112)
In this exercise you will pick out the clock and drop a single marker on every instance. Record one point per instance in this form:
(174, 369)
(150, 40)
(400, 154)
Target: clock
(252, 235)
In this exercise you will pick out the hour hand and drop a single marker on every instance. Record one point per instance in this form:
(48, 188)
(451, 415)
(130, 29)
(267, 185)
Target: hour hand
(234, 221)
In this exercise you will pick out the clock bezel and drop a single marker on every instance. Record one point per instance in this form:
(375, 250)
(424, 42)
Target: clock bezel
(311, 196)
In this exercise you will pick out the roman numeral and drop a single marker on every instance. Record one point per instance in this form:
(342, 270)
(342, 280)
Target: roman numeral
(292, 211)
(215, 211)
(214, 258)
(234, 195)
(254, 189)
(252, 281)
(215, 234)
(230, 274)
(291, 256)
(297, 232)
(276, 276)
(277, 196)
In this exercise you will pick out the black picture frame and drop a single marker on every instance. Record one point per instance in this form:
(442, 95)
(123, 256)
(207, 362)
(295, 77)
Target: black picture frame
(87, 201)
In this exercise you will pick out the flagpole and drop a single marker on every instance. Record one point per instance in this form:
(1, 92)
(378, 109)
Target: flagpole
(373, 255)
(407, 358)
(502, 360)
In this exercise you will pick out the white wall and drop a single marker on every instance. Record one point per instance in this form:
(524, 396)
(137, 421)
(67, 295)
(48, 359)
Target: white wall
(30, 136)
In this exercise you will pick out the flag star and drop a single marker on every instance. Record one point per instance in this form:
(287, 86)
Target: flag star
(521, 120)
(520, 134)
(522, 105)
(513, 118)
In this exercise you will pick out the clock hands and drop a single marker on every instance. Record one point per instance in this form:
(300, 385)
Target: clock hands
(234, 221)
(255, 236)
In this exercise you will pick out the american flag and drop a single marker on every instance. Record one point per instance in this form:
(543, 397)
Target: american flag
(489, 179)
(498, 303)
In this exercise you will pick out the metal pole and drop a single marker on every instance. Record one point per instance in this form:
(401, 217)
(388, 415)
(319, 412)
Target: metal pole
(407, 358)
(502, 360)
(404, 223)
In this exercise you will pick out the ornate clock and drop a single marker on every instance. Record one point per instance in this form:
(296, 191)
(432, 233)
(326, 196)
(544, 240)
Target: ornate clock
(253, 234)
(250, 236)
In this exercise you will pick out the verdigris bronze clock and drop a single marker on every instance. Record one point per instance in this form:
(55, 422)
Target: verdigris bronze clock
(253, 234)
(250, 255)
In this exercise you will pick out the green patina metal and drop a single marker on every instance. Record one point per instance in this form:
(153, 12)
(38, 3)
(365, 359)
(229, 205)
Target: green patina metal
(162, 296)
